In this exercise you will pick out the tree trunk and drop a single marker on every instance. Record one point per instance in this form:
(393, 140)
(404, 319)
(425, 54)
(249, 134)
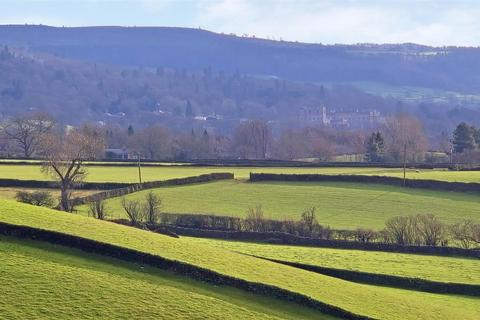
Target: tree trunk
(65, 197)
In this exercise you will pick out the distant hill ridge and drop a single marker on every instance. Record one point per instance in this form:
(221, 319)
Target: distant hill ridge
(448, 68)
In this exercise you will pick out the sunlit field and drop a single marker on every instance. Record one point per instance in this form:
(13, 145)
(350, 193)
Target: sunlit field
(45, 281)
(428, 267)
(373, 301)
(130, 174)
(338, 204)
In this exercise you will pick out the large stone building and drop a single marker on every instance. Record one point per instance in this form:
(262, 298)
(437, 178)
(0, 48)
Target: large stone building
(341, 118)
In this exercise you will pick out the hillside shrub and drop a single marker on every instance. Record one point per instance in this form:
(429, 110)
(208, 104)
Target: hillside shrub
(255, 220)
(133, 210)
(97, 210)
(37, 198)
(152, 207)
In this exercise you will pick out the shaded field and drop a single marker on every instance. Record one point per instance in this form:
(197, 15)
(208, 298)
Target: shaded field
(130, 174)
(40, 280)
(376, 302)
(433, 268)
(340, 205)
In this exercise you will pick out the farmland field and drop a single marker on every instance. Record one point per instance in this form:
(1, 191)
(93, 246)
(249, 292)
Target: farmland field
(434, 268)
(39, 280)
(339, 204)
(373, 301)
(130, 174)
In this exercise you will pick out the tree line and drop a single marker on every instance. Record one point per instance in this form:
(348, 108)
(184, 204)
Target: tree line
(400, 139)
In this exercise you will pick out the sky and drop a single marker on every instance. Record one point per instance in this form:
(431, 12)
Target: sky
(430, 22)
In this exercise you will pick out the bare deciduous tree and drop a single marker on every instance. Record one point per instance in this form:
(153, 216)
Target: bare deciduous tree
(65, 155)
(466, 232)
(405, 138)
(98, 210)
(27, 130)
(430, 229)
(152, 142)
(153, 205)
(255, 220)
(252, 139)
(133, 210)
(402, 230)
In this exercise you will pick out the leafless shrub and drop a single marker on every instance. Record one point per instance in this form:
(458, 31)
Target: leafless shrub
(37, 198)
(255, 220)
(152, 207)
(97, 210)
(430, 229)
(466, 232)
(365, 235)
(133, 210)
(308, 222)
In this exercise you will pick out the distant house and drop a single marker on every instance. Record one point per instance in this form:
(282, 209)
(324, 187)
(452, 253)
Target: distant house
(121, 153)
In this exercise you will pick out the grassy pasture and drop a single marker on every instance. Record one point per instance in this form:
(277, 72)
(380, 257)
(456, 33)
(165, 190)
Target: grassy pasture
(130, 174)
(339, 204)
(376, 302)
(39, 280)
(434, 268)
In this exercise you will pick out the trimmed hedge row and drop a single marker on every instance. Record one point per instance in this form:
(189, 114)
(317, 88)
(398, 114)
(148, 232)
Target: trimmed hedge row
(177, 267)
(150, 185)
(394, 181)
(388, 280)
(286, 238)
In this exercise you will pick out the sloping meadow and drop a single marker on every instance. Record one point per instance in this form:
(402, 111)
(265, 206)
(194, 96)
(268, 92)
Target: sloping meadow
(365, 300)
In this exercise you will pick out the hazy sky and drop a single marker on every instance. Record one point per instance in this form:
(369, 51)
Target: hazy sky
(434, 22)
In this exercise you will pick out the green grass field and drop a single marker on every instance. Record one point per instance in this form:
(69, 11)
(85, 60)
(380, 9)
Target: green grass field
(339, 204)
(376, 302)
(130, 174)
(434, 268)
(39, 280)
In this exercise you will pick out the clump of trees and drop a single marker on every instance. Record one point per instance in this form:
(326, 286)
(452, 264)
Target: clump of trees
(147, 211)
(421, 229)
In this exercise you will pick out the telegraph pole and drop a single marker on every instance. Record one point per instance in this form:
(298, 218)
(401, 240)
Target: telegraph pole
(405, 164)
(139, 170)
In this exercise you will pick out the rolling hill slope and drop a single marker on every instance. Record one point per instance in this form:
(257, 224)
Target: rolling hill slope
(376, 302)
(44, 281)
